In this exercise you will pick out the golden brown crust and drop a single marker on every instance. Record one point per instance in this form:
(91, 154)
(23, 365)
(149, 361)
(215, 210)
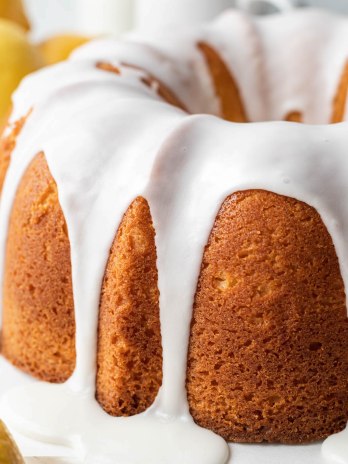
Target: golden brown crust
(150, 81)
(129, 340)
(340, 100)
(163, 91)
(7, 145)
(226, 89)
(108, 67)
(38, 320)
(38, 313)
(268, 354)
(294, 116)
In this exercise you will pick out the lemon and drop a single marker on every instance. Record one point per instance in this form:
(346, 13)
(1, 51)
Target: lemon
(13, 10)
(17, 58)
(58, 48)
(9, 453)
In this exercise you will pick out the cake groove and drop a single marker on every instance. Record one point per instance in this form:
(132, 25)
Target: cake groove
(232, 108)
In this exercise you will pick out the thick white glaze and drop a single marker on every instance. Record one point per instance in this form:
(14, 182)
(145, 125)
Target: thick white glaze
(108, 139)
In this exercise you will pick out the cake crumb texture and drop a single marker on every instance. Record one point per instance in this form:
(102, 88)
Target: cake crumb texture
(268, 354)
(129, 339)
(38, 332)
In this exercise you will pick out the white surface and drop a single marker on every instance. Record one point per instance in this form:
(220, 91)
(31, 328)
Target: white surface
(104, 16)
(12, 378)
(51, 460)
(240, 454)
(151, 14)
(49, 17)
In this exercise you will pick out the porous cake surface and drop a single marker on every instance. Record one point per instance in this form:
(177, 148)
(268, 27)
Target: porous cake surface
(269, 318)
(38, 332)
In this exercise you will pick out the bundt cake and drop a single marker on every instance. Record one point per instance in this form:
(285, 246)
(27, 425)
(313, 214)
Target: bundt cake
(168, 263)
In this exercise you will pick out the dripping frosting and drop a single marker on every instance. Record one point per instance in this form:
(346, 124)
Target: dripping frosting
(145, 142)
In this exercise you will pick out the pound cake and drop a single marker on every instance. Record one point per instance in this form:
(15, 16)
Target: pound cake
(173, 224)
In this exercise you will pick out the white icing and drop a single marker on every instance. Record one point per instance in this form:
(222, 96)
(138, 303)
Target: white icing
(109, 138)
(322, 70)
(279, 59)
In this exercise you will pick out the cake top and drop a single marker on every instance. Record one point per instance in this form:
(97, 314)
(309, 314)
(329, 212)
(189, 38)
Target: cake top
(281, 64)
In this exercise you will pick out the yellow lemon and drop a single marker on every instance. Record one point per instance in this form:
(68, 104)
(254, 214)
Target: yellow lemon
(17, 58)
(9, 453)
(58, 48)
(13, 10)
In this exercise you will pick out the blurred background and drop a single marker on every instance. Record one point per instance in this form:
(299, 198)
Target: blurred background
(117, 16)
(35, 33)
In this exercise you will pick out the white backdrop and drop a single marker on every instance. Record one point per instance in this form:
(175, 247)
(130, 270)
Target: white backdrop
(99, 16)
